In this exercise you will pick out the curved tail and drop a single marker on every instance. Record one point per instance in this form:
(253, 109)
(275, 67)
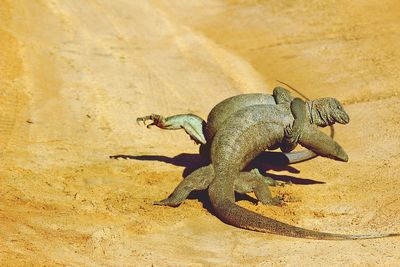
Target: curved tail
(304, 155)
(222, 199)
(299, 156)
(237, 216)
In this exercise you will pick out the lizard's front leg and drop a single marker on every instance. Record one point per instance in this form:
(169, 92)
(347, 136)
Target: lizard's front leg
(294, 131)
(192, 124)
(158, 121)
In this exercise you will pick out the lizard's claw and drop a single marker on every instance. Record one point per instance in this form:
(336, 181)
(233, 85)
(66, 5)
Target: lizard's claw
(271, 182)
(156, 119)
(266, 179)
(275, 201)
(278, 201)
(167, 202)
(142, 119)
(292, 136)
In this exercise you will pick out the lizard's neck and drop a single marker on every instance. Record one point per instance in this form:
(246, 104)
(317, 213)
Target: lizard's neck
(309, 111)
(316, 115)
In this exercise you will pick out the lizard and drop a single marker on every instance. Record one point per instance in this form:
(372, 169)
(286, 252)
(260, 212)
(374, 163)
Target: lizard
(202, 132)
(246, 182)
(247, 133)
(324, 112)
(199, 131)
(230, 158)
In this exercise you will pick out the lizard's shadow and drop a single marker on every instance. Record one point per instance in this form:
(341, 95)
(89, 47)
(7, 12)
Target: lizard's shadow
(264, 162)
(191, 162)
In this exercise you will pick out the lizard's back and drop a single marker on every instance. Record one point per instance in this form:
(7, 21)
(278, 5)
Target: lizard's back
(243, 133)
(229, 106)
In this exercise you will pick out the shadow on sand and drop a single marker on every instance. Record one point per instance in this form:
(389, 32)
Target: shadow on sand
(264, 162)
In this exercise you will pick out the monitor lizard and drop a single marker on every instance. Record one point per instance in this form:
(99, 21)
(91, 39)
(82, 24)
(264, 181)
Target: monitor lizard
(329, 109)
(247, 133)
(202, 132)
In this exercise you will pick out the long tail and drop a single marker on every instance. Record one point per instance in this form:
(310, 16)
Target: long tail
(243, 218)
(304, 155)
(237, 216)
(299, 156)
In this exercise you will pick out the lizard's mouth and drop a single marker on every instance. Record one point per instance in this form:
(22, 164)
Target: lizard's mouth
(327, 111)
(338, 115)
(343, 118)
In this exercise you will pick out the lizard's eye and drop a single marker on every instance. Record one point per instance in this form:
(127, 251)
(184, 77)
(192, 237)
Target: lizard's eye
(338, 106)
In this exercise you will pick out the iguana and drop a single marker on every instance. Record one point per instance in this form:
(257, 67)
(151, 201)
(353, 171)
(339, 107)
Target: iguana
(202, 132)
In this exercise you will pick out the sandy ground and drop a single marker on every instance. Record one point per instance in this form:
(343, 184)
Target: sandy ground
(75, 74)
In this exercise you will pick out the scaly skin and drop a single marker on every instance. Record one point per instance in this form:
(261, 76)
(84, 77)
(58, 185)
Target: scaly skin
(201, 178)
(192, 124)
(246, 134)
(202, 132)
(197, 129)
(231, 152)
(246, 182)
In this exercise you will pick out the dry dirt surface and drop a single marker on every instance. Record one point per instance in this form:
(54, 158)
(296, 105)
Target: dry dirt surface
(75, 74)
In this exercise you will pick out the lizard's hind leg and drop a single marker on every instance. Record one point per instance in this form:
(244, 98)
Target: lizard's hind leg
(200, 179)
(192, 124)
(253, 181)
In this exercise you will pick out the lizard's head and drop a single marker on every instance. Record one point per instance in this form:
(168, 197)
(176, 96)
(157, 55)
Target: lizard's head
(327, 111)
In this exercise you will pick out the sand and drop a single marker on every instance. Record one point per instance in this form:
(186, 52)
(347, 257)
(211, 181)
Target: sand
(74, 75)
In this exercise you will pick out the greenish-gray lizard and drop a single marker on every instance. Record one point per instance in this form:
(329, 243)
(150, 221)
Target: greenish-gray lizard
(202, 132)
(247, 133)
(322, 112)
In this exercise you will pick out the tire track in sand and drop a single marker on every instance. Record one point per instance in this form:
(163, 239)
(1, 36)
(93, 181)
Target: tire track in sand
(12, 97)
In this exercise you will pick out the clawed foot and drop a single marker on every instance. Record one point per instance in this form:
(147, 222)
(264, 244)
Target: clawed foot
(292, 136)
(275, 201)
(156, 119)
(271, 182)
(167, 202)
(280, 183)
(268, 180)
